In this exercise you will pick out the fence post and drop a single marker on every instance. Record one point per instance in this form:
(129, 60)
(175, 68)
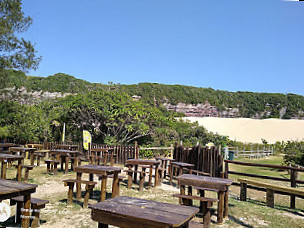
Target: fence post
(293, 178)
(136, 150)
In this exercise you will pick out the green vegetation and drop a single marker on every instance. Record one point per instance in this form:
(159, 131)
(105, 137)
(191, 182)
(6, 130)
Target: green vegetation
(16, 52)
(251, 105)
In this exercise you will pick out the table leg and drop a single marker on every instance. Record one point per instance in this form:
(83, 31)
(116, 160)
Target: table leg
(19, 168)
(103, 190)
(171, 174)
(190, 194)
(26, 210)
(105, 158)
(3, 170)
(67, 159)
(78, 186)
(150, 175)
(156, 176)
(220, 207)
(226, 205)
(32, 158)
(115, 186)
(101, 225)
(135, 174)
(165, 167)
(75, 161)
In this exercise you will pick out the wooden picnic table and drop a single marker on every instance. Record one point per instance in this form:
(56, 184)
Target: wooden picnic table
(179, 166)
(64, 157)
(151, 163)
(10, 189)
(221, 185)
(102, 152)
(130, 212)
(22, 151)
(103, 172)
(5, 158)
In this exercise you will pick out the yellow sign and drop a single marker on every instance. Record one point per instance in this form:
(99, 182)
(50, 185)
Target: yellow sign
(87, 138)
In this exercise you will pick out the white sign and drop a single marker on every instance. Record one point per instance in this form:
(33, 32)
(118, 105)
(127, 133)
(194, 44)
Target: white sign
(5, 212)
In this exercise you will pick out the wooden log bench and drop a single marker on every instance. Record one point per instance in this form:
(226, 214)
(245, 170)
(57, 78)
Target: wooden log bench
(27, 169)
(89, 187)
(51, 166)
(270, 190)
(36, 205)
(205, 202)
(142, 174)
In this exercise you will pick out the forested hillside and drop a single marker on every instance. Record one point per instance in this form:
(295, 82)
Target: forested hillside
(222, 103)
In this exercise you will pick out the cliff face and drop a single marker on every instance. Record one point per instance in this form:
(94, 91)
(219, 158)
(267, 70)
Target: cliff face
(29, 97)
(202, 110)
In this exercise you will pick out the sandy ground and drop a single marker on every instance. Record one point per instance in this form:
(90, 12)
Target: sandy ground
(253, 130)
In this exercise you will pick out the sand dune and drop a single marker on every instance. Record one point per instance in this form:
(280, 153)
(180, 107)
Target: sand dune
(252, 130)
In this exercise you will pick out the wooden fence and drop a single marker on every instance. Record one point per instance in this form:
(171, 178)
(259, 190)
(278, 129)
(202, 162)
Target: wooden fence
(293, 171)
(122, 152)
(204, 159)
(253, 152)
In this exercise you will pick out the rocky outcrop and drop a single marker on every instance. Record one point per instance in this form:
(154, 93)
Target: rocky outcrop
(202, 110)
(29, 97)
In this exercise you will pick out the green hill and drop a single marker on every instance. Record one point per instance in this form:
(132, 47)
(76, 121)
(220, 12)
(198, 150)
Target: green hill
(247, 104)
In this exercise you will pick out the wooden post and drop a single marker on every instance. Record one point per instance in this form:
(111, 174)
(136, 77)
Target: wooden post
(103, 187)
(293, 178)
(220, 207)
(26, 210)
(171, 151)
(270, 197)
(206, 214)
(226, 170)
(70, 192)
(78, 186)
(19, 168)
(3, 170)
(136, 150)
(115, 185)
(243, 192)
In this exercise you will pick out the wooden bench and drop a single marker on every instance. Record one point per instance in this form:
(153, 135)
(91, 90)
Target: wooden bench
(270, 190)
(89, 187)
(205, 202)
(51, 166)
(36, 205)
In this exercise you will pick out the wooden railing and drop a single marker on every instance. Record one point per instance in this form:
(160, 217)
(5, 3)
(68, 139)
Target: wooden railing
(293, 172)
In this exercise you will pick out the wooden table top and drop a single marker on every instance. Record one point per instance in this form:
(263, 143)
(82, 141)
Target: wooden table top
(205, 181)
(64, 146)
(142, 162)
(9, 188)
(182, 164)
(97, 169)
(9, 157)
(133, 212)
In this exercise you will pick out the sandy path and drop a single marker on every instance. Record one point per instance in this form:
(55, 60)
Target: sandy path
(253, 130)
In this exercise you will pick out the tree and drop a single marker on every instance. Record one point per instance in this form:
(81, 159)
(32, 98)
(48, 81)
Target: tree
(15, 52)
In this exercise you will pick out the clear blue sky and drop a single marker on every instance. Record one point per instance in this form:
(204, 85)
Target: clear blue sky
(234, 45)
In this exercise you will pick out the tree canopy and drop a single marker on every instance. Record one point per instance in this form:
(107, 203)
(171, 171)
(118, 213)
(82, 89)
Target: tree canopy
(16, 52)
